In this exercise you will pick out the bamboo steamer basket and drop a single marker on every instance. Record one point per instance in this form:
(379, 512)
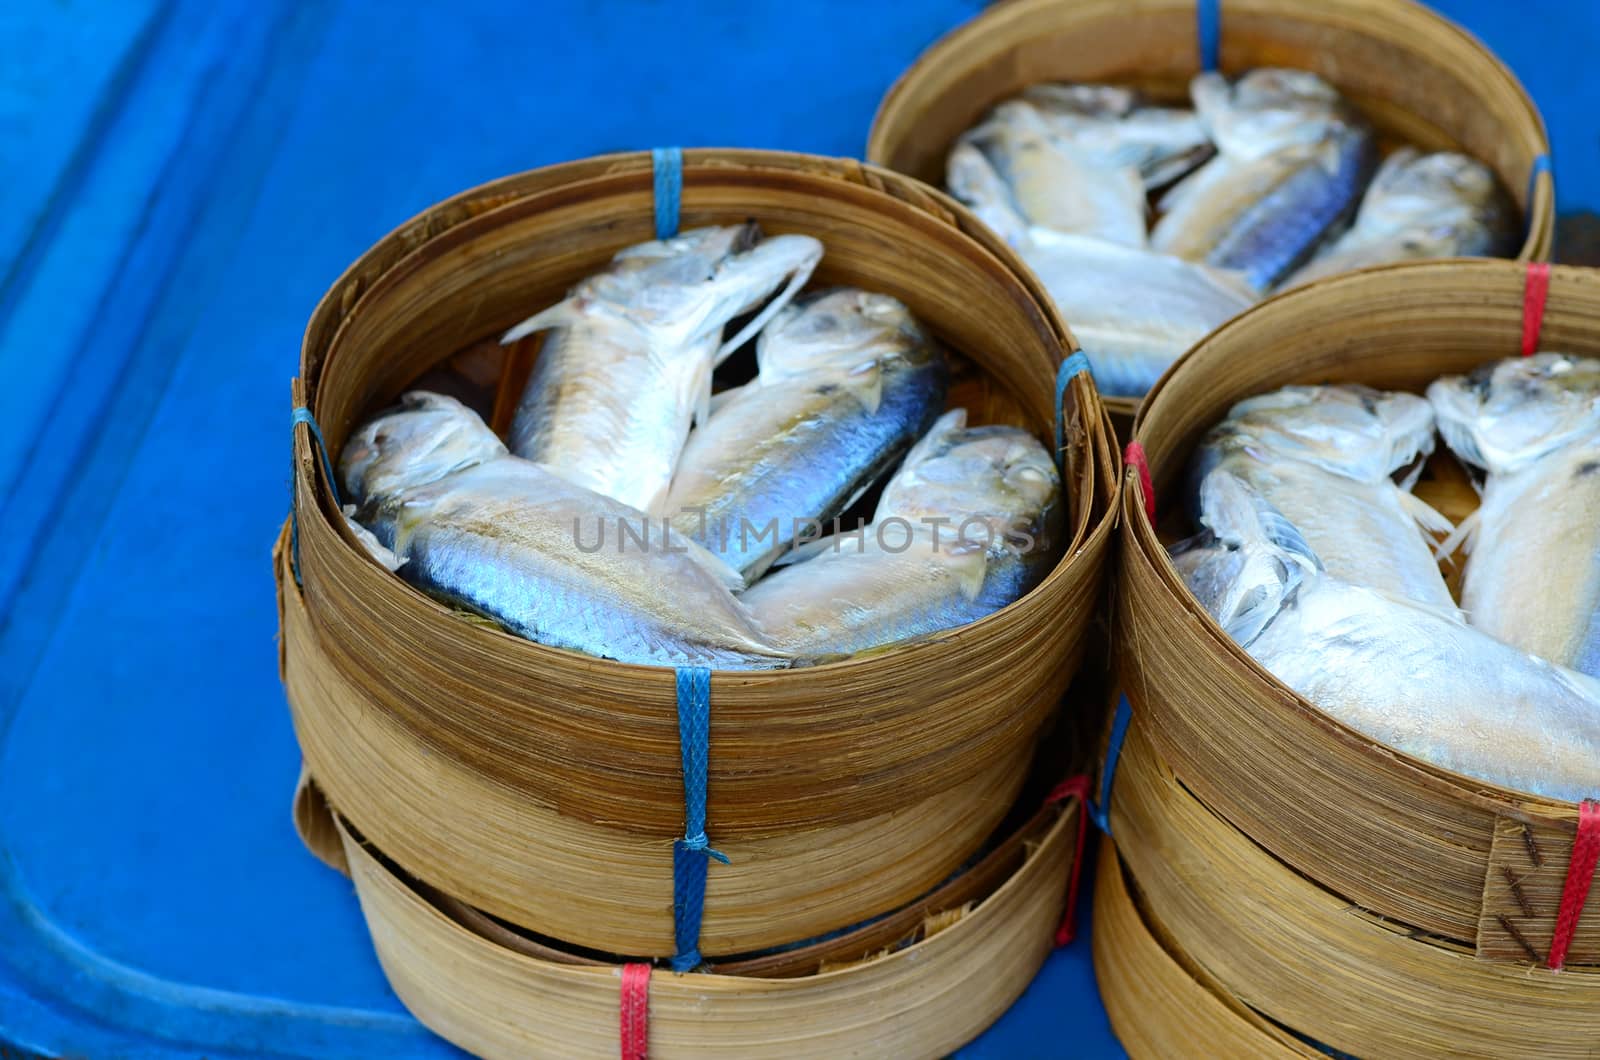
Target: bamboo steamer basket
(1159, 1002)
(1418, 77)
(545, 786)
(1306, 958)
(498, 994)
(1441, 853)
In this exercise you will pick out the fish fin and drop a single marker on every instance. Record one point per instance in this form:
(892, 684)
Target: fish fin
(1464, 534)
(1429, 518)
(970, 565)
(930, 443)
(700, 392)
(800, 551)
(563, 314)
(804, 263)
(866, 383)
(386, 557)
(708, 561)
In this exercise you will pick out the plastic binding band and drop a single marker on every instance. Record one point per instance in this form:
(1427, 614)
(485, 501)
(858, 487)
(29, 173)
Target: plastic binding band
(300, 415)
(1535, 291)
(689, 854)
(1133, 456)
(1074, 365)
(634, 1012)
(1073, 787)
(1208, 27)
(1100, 810)
(1580, 874)
(667, 163)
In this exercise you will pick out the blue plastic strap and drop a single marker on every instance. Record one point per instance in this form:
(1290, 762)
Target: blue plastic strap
(299, 416)
(1208, 26)
(1073, 365)
(1100, 809)
(668, 163)
(1541, 164)
(689, 854)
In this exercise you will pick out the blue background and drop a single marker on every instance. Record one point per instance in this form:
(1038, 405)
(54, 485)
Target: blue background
(181, 181)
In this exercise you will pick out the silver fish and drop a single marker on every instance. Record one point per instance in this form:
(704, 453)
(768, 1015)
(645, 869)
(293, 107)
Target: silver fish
(1133, 311)
(1058, 184)
(557, 563)
(628, 360)
(1324, 457)
(1292, 159)
(1440, 205)
(1405, 674)
(426, 438)
(1533, 577)
(936, 555)
(847, 382)
(1112, 123)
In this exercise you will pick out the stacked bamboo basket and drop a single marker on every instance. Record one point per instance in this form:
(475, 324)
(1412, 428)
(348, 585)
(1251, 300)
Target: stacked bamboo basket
(1417, 77)
(1272, 862)
(509, 811)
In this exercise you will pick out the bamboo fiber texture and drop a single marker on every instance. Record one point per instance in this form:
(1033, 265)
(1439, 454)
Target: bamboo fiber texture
(1310, 960)
(1418, 77)
(1406, 839)
(1160, 1004)
(545, 770)
(977, 955)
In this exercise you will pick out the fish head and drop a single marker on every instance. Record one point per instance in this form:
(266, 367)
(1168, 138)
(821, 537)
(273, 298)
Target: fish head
(1351, 430)
(1411, 186)
(686, 288)
(1268, 110)
(971, 178)
(1097, 102)
(1509, 412)
(426, 438)
(996, 475)
(1248, 562)
(845, 330)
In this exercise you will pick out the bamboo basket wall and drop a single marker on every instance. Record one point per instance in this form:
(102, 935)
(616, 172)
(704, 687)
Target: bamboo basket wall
(1160, 1004)
(1391, 833)
(1307, 959)
(545, 786)
(499, 995)
(1418, 77)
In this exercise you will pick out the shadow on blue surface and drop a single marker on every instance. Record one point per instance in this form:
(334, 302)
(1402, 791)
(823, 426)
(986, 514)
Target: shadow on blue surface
(189, 178)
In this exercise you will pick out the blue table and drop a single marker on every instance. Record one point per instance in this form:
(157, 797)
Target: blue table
(182, 179)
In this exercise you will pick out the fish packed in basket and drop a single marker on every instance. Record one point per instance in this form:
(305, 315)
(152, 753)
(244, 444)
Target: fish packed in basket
(633, 514)
(1270, 181)
(1314, 555)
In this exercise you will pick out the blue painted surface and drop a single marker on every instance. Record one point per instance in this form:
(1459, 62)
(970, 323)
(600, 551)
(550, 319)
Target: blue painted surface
(183, 179)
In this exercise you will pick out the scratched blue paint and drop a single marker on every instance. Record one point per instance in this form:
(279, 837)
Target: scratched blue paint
(165, 254)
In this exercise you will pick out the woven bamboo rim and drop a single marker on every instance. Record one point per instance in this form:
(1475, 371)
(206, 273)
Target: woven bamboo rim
(1309, 959)
(606, 888)
(921, 1001)
(1394, 834)
(1160, 1004)
(578, 751)
(1419, 77)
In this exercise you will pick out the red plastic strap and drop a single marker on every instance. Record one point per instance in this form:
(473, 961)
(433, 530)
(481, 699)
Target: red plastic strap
(1073, 787)
(1580, 874)
(1133, 456)
(635, 1019)
(1534, 292)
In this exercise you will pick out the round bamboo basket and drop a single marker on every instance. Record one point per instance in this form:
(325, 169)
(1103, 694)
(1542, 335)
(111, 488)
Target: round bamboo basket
(1306, 958)
(1159, 1002)
(545, 786)
(1447, 855)
(1418, 77)
(981, 938)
